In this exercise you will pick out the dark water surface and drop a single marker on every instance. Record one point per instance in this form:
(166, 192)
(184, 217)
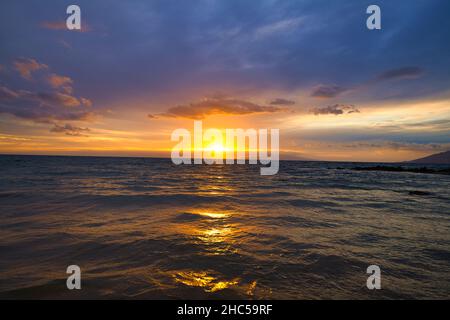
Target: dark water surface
(145, 228)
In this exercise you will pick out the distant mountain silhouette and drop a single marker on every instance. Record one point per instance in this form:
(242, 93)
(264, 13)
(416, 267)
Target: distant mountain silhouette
(438, 158)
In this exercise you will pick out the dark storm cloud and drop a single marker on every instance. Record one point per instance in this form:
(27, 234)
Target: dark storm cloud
(217, 105)
(336, 109)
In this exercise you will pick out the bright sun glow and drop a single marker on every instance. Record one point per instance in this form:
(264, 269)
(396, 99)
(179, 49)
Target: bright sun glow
(216, 147)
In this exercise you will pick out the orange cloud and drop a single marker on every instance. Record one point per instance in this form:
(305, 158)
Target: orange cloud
(86, 102)
(57, 81)
(61, 25)
(215, 106)
(44, 107)
(54, 25)
(70, 130)
(58, 99)
(27, 66)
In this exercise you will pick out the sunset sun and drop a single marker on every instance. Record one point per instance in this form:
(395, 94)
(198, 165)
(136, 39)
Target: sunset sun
(217, 148)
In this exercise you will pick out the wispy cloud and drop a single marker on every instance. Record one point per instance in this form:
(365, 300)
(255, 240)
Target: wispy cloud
(63, 82)
(43, 106)
(401, 74)
(54, 25)
(26, 67)
(282, 102)
(216, 105)
(61, 25)
(328, 91)
(332, 90)
(429, 125)
(395, 145)
(51, 98)
(277, 27)
(7, 94)
(336, 109)
(70, 130)
(86, 102)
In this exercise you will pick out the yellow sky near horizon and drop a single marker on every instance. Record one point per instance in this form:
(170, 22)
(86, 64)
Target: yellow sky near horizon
(302, 134)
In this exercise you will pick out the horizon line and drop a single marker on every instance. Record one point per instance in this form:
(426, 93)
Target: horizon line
(155, 157)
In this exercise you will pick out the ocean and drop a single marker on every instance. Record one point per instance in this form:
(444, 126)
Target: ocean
(142, 228)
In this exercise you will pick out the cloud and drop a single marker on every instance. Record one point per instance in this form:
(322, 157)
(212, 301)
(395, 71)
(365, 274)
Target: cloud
(27, 66)
(327, 91)
(395, 145)
(63, 82)
(54, 25)
(431, 125)
(400, 74)
(70, 130)
(43, 107)
(373, 144)
(336, 109)
(216, 105)
(7, 138)
(285, 25)
(333, 90)
(48, 115)
(282, 102)
(86, 102)
(61, 25)
(440, 123)
(51, 98)
(7, 94)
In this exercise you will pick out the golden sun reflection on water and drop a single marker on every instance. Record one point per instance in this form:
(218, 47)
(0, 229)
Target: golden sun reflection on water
(215, 215)
(216, 234)
(213, 230)
(213, 234)
(204, 280)
(216, 190)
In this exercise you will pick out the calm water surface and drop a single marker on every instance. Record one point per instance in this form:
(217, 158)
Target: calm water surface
(144, 228)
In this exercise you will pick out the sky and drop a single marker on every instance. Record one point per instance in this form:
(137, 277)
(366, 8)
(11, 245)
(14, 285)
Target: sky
(139, 69)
